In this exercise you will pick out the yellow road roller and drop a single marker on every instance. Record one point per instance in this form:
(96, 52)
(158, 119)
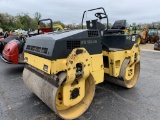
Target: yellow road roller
(63, 68)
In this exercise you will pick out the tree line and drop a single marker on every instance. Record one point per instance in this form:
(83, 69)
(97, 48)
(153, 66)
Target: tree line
(25, 22)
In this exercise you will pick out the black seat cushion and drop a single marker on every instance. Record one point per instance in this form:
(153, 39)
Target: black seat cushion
(110, 31)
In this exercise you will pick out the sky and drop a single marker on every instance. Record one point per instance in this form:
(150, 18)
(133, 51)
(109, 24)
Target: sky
(70, 11)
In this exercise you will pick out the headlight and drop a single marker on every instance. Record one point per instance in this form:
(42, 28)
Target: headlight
(45, 68)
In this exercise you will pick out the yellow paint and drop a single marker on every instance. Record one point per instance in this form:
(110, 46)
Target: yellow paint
(72, 61)
(98, 76)
(130, 83)
(97, 62)
(58, 65)
(129, 72)
(55, 26)
(74, 111)
(106, 70)
(139, 40)
(38, 62)
(116, 59)
(92, 65)
(67, 89)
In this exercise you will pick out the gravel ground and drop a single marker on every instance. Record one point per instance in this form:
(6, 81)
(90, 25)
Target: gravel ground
(147, 46)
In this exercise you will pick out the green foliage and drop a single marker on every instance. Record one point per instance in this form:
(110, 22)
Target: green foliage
(22, 20)
(37, 16)
(25, 22)
(6, 21)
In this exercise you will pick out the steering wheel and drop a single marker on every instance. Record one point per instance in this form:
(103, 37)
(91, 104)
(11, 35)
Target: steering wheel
(99, 15)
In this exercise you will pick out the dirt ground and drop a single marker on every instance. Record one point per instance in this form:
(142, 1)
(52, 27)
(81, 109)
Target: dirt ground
(147, 46)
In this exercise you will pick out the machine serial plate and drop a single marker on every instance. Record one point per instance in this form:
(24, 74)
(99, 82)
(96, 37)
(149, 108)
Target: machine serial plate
(84, 42)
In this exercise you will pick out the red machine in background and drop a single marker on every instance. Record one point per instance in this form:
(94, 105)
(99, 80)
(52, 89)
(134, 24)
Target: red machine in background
(5, 39)
(13, 50)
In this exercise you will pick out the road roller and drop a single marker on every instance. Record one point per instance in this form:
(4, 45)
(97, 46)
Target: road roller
(63, 68)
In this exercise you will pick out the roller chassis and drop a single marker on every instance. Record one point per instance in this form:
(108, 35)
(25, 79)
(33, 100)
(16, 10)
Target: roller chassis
(73, 87)
(66, 82)
(122, 69)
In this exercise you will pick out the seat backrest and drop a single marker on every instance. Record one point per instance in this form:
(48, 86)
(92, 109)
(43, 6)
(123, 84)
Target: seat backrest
(119, 24)
(117, 27)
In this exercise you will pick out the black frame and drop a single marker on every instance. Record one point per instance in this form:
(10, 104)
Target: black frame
(45, 20)
(93, 10)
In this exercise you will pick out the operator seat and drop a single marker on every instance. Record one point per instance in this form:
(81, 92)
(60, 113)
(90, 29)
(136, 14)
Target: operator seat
(114, 39)
(117, 27)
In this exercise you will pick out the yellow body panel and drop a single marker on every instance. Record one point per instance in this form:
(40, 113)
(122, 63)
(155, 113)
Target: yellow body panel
(38, 62)
(97, 62)
(98, 76)
(72, 82)
(58, 65)
(92, 65)
(97, 68)
(55, 66)
(116, 59)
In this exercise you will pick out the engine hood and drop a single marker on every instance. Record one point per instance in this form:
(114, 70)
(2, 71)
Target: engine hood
(59, 45)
